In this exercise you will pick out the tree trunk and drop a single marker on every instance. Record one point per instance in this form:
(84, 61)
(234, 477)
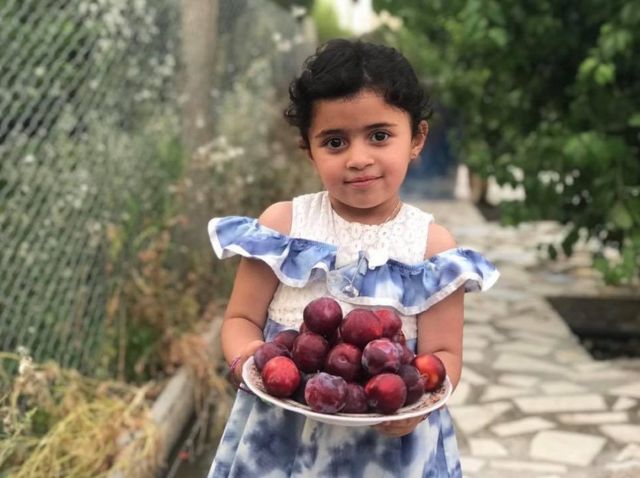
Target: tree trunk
(478, 187)
(199, 38)
(199, 19)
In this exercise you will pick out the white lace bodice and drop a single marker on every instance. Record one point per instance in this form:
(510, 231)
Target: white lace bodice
(403, 238)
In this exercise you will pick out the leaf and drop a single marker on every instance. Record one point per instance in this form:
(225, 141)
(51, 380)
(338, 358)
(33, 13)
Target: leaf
(563, 100)
(499, 36)
(634, 120)
(604, 73)
(600, 263)
(629, 259)
(621, 217)
(587, 66)
(569, 241)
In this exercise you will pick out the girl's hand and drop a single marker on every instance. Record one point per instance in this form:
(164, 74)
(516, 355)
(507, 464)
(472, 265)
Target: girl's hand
(399, 428)
(236, 366)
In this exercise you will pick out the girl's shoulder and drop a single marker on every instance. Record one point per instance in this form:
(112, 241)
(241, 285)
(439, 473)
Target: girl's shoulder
(427, 236)
(439, 239)
(292, 217)
(278, 217)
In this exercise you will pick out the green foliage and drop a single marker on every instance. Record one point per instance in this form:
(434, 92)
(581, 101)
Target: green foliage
(549, 89)
(77, 150)
(96, 271)
(326, 21)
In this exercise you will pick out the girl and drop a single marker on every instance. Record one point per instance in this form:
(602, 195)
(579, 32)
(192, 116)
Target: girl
(362, 117)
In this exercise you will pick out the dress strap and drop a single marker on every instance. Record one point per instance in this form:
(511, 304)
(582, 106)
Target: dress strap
(309, 217)
(420, 223)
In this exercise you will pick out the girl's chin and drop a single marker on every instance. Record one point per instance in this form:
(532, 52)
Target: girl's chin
(359, 203)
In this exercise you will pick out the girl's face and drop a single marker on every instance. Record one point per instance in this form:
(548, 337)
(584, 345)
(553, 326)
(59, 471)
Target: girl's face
(361, 147)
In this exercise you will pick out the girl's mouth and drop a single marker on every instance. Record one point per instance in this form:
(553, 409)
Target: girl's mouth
(362, 181)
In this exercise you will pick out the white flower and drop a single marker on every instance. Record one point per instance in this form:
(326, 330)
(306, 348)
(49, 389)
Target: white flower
(297, 11)
(284, 46)
(26, 366)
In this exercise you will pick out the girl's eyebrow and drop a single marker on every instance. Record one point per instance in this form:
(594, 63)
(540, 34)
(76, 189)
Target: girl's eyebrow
(380, 125)
(327, 132)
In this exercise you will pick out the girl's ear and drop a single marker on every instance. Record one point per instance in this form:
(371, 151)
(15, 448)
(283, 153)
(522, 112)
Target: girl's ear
(307, 152)
(302, 144)
(417, 143)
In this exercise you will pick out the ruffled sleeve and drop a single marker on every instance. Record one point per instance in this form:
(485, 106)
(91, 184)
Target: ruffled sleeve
(414, 288)
(409, 288)
(295, 261)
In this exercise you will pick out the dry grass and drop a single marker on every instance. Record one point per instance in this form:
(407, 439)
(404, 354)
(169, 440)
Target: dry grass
(57, 423)
(201, 353)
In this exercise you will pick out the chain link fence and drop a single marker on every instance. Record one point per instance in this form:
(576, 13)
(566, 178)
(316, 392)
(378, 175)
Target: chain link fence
(90, 143)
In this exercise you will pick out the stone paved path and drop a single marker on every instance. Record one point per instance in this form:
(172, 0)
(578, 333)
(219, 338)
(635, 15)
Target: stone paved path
(532, 402)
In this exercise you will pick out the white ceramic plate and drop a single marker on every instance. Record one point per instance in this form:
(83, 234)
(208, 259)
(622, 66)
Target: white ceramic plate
(428, 403)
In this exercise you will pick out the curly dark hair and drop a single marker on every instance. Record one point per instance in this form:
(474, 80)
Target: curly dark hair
(341, 68)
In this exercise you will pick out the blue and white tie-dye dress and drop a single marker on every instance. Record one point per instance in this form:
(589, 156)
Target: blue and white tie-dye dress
(359, 265)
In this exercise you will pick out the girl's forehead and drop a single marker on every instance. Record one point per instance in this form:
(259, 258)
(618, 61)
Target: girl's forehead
(362, 97)
(365, 107)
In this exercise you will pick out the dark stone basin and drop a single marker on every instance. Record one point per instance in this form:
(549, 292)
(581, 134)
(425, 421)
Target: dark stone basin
(608, 327)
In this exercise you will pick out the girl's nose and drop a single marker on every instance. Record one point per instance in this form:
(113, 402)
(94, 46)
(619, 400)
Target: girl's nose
(358, 157)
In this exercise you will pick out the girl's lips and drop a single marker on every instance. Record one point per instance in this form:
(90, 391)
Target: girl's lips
(362, 182)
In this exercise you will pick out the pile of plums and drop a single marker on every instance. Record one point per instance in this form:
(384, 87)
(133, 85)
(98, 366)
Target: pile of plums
(356, 364)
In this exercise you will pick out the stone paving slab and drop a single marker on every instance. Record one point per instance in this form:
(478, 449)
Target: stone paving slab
(531, 401)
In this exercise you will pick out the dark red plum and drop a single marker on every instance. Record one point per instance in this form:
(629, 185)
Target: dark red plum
(267, 351)
(281, 377)
(432, 369)
(386, 393)
(344, 360)
(359, 327)
(407, 354)
(356, 401)
(298, 395)
(322, 316)
(310, 351)
(326, 393)
(414, 383)
(335, 338)
(380, 356)
(391, 322)
(286, 338)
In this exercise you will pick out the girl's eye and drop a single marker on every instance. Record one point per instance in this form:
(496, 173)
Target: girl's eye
(379, 136)
(334, 143)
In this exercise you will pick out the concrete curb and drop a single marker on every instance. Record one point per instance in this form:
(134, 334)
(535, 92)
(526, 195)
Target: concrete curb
(176, 404)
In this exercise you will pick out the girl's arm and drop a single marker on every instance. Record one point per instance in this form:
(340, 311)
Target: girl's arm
(253, 288)
(440, 326)
(439, 331)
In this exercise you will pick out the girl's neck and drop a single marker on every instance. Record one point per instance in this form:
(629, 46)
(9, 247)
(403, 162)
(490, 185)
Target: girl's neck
(376, 215)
